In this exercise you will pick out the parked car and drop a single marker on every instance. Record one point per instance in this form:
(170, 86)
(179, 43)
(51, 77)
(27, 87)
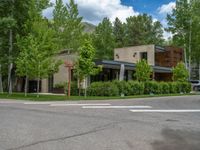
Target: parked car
(195, 85)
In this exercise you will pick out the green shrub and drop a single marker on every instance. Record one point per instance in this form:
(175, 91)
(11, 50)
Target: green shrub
(60, 85)
(116, 88)
(173, 87)
(103, 89)
(137, 88)
(179, 87)
(152, 87)
(123, 86)
(164, 88)
(184, 87)
(180, 73)
(143, 71)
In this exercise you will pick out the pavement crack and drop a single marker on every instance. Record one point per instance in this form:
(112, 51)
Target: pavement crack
(97, 129)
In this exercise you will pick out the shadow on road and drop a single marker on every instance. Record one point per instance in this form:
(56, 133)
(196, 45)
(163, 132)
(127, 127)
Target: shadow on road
(178, 140)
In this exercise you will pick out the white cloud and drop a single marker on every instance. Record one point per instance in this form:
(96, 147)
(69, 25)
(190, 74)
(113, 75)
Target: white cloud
(167, 8)
(167, 35)
(94, 11)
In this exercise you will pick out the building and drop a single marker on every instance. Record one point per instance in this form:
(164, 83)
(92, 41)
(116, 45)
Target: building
(161, 59)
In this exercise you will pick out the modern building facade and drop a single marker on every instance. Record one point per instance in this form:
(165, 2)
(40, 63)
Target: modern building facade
(161, 59)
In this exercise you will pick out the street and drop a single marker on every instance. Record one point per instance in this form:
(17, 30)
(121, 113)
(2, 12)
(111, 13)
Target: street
(166, 123)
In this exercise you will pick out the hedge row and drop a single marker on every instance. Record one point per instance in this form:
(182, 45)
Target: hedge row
(117, 88)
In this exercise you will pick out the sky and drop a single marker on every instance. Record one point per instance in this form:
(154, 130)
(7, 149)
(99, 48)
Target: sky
(93, 11)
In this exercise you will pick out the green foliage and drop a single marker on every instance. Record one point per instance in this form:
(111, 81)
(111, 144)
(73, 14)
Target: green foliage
(103, 89)
(184, 87)
(142, 30)
(103, 40)
(68, 26)
(173, 87)
(165, 87)
(143, 71)
(183, 22)
(60, 85)
(85, 65)
(124, 87)
(180, 73)
(37, 51)
(152, 87)
(130, 88)
(119, 33)
(137, 88)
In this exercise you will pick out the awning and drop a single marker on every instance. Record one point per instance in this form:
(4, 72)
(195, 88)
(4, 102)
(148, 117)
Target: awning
(110, 64)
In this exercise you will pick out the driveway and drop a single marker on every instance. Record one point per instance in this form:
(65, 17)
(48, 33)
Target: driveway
(167, 123)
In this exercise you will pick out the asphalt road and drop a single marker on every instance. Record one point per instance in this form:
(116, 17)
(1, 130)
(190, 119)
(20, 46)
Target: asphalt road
(168, 123)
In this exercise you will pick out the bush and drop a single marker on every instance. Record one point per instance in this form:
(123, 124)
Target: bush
(173, 87)
(143, 71)
(152, 87)
(137, 88)
(123, 87)
(116, 88)
(103, 89)
(60, 85)
(180, 87)
(180, 73)
(164, 88)
(184, 87)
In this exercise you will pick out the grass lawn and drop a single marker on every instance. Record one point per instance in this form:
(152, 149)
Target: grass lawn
(33, 97)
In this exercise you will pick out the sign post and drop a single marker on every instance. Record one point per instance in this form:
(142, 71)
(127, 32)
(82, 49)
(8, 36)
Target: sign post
(69, 66)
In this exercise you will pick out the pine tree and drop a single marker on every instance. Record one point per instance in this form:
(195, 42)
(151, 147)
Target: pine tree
(142, 30)
(67, 23)
(103, 40)
(119, 33)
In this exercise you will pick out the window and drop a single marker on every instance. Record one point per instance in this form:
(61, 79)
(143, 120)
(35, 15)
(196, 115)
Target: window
(143, 55)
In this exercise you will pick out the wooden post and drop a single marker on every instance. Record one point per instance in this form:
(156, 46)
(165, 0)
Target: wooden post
(69, 66)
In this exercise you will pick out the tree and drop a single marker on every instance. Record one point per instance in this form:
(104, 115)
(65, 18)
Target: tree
(85, 65)
(7, 19)
(67, 24)
(195, 33)
(13, 17)
(180, 73)
(142, 30)
(184, 25)
(119, 33)
(23, 62)
(103, 40)
(36, 59)
(143, 71)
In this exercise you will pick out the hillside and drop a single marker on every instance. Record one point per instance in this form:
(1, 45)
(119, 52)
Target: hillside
(88, 27)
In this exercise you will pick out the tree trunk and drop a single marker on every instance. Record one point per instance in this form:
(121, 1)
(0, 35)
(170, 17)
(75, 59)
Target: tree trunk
(1, 85)
(38, 87)
(10, 62)
(38, 80)
(199, 70)
(85, 87)
(79, 87)
(26, 86)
